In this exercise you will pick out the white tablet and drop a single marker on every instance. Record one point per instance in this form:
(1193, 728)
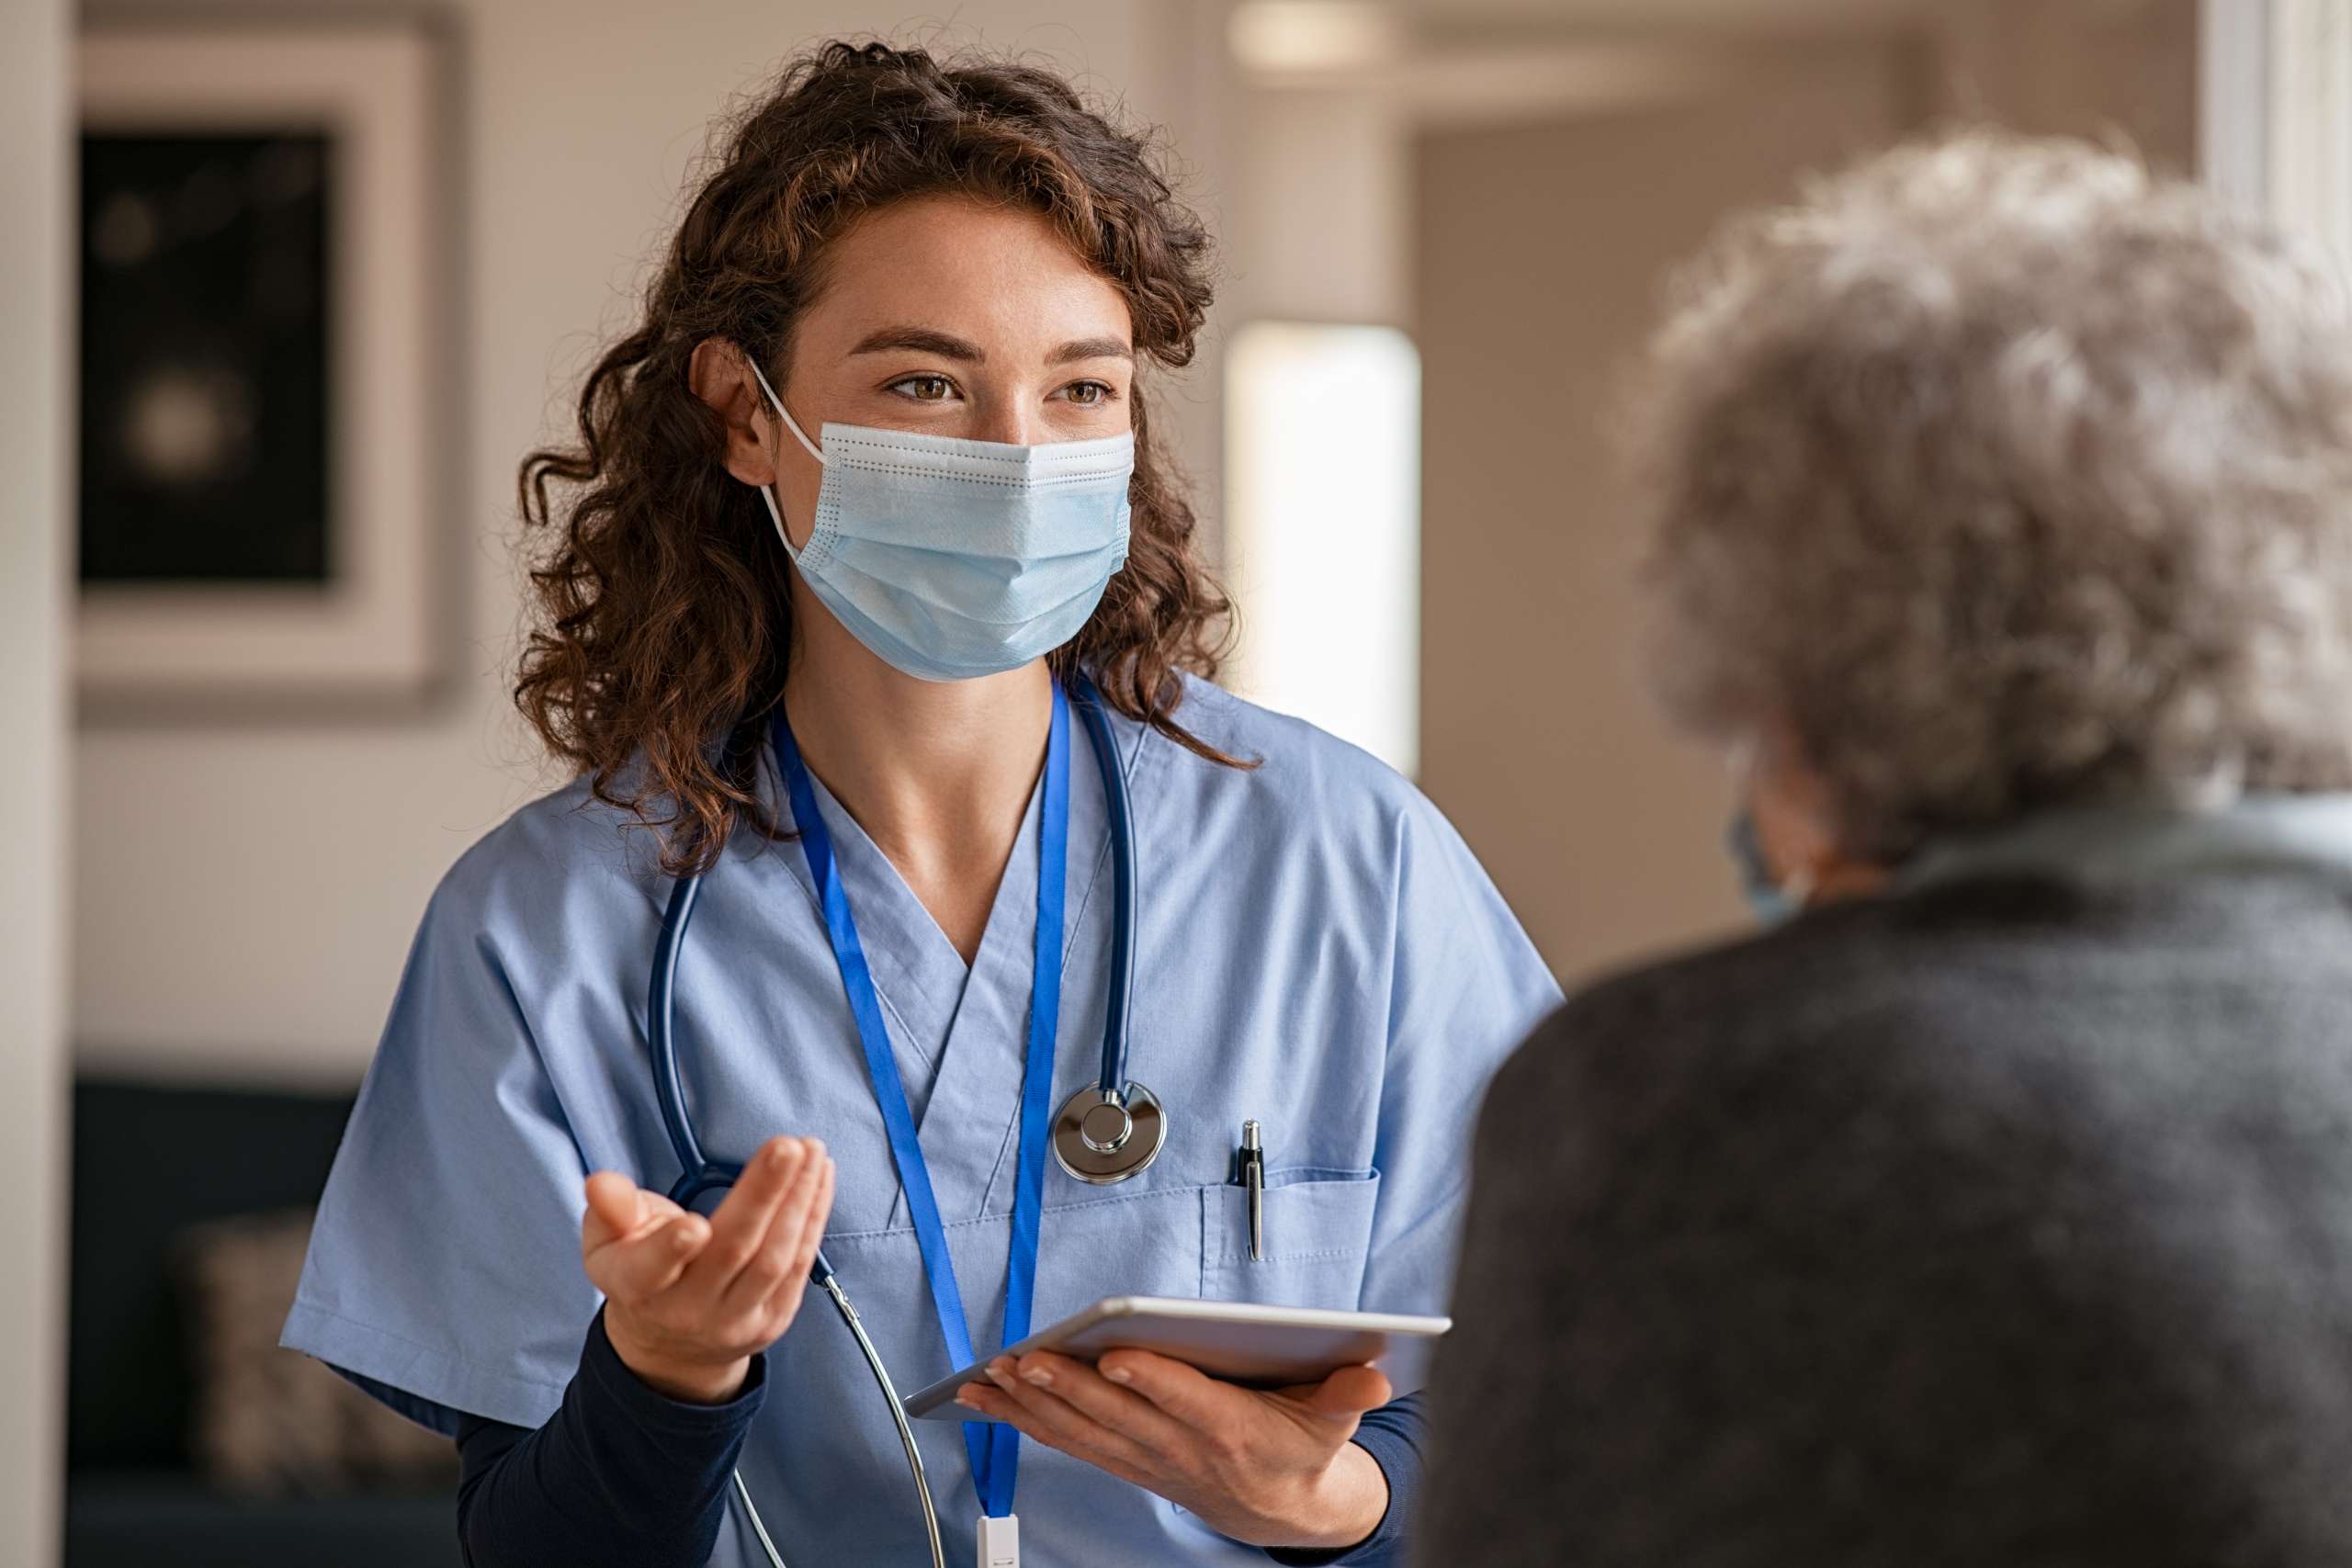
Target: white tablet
(1242, 1342)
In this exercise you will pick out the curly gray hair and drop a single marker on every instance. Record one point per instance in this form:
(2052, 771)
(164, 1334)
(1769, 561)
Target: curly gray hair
(2007, 475)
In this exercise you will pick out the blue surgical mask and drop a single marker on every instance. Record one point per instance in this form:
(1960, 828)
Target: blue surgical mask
(1772, 902)
(951, 559)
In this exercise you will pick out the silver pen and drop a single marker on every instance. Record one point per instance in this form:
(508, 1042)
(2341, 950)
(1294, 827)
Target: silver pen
(1253, 1177)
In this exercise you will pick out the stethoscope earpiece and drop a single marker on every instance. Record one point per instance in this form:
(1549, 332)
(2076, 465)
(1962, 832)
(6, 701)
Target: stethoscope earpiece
(1102, 1138)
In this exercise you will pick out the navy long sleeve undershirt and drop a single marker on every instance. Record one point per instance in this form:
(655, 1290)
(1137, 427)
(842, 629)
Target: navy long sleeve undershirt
(621, 1477)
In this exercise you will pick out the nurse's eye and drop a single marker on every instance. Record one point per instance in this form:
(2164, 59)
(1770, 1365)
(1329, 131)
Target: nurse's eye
(924, 388)
(1091, 394)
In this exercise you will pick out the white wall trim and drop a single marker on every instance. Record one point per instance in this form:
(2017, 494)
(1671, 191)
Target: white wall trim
(2234, 98)
(2309, 119)
(36, 324)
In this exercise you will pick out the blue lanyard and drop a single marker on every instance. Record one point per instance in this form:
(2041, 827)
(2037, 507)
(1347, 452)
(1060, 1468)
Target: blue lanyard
(995, 1449)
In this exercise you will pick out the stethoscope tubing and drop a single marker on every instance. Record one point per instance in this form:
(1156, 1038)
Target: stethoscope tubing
(1117, 1016)
(698, 1173)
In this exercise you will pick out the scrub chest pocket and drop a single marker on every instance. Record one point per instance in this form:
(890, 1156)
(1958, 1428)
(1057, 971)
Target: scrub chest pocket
(1318, 1234)
(1195, 1241)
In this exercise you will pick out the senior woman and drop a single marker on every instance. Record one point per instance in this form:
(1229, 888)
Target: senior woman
(1996, 1207)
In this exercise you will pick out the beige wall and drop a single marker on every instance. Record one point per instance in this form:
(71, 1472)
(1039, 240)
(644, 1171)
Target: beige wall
(35, 307)
(2106, 69)
(1319, 230)
(1537, 735)
(1540, 253)
(243, 895)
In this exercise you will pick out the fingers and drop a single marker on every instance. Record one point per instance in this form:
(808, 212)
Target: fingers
(618, 1210)
(728, 1275)
(770, 1269)
(812, 1234)
(1099, 1400)
(612, 1210)
(615, 1200)
(741, 1223)
(1036, 1411)
(645, 1265)
(1348, 1393)
(633, 1241)
(1191, 1397)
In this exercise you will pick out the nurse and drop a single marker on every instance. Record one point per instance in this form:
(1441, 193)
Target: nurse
(861, 518)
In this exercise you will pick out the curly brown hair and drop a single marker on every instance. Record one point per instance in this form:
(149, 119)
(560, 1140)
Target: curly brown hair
(661, 632)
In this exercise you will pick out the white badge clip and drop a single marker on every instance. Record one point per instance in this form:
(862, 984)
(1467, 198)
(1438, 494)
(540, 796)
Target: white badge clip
(1001, 1541)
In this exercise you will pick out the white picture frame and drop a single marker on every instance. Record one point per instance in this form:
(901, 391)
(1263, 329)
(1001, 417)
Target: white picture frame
(370, 636)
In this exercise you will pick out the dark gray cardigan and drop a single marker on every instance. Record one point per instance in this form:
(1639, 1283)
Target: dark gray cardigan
(2007, 1222)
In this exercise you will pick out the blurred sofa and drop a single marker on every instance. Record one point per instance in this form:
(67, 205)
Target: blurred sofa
(151, 1163)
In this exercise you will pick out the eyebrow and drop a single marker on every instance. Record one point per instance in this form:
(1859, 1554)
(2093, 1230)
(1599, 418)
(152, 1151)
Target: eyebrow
(947, 346)
(923, 340)
(1090, 348)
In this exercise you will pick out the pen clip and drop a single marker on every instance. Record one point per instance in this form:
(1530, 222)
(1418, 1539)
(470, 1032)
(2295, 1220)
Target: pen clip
(1253, 1177)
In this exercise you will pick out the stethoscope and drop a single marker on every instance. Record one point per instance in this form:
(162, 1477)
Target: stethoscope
(1104, 1134)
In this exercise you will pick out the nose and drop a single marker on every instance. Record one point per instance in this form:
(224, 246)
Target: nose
(1012, 418)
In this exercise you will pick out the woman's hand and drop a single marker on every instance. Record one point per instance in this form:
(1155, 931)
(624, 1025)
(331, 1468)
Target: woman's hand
(688, 1301)
(1265, 1469)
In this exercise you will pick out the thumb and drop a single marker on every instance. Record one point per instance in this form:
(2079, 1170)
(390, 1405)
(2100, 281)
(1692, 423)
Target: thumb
(616, 1208)
(1349, 1392)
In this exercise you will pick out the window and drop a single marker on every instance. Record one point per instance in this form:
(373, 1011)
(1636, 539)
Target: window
(2276, 110)
(1323, 527)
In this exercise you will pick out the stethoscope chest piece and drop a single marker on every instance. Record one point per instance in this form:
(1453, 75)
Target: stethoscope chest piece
(1103, 1139)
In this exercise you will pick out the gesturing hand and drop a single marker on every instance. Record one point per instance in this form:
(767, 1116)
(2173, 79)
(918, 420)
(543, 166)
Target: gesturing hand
(1267, 1469)
(688, 1301)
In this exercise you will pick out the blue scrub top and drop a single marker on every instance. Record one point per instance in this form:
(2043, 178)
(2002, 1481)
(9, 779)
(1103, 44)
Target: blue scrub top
(1316, 949)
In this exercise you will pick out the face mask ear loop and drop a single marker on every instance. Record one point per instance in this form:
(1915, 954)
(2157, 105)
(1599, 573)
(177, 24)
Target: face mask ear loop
(767, 492)
(1798, 886)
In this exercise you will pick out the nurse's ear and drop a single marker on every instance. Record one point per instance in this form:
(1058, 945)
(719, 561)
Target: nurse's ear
(721, 378)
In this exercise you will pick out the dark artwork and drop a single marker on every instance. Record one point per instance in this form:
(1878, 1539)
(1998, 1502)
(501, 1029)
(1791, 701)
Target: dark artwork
(205, 407)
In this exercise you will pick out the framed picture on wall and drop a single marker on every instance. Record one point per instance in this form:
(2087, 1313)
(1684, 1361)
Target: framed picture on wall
(261, 335)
